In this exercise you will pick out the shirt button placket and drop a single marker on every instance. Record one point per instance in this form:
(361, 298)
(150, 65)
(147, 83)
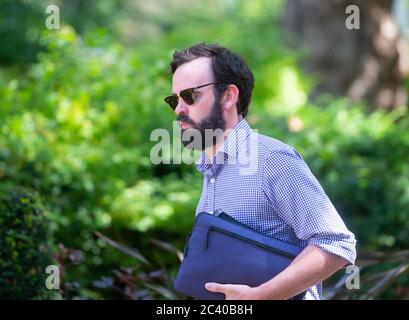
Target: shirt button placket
(212, 191)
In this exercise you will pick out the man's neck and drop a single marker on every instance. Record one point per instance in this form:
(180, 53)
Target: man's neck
(212, 150)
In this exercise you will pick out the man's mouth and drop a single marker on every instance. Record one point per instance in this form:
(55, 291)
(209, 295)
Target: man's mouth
(184, 125)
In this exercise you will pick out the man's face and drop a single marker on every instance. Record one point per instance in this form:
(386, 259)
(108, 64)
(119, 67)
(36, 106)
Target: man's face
(206, 112)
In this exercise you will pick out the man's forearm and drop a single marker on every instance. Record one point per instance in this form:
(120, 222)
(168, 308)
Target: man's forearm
(310, 267)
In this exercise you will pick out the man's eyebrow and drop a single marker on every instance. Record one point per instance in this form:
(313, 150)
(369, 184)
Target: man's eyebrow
(182, 90)
(191, 87)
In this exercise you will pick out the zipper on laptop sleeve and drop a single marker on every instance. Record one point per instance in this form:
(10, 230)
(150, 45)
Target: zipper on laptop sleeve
(255, 243)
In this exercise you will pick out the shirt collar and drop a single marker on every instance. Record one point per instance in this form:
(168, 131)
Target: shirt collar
(229, 148)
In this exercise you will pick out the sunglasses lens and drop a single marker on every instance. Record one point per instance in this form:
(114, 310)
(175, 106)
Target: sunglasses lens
(188, 96)
(172, 101)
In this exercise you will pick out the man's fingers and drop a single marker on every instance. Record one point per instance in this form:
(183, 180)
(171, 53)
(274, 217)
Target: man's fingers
(215, 287)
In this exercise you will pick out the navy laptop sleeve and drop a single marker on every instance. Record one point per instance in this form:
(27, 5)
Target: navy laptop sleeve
(223, 250)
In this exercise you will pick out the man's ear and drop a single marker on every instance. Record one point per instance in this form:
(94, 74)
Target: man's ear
(230, 97)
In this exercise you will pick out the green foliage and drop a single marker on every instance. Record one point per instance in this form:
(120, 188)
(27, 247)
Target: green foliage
(25, 248)
(22, 21)
(377, 272)
(19, 22)
(86, 147)
(154, 281)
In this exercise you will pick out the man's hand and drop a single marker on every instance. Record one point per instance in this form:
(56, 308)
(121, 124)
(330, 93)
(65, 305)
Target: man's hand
(311, 266)
(233, 291)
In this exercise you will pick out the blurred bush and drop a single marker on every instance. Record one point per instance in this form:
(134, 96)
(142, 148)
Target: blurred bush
(22, 21)
(378, 271)
(86, 147)
(25, 246)
(19, 22)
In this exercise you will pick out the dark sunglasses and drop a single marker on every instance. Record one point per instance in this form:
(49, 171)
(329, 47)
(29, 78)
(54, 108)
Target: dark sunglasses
(188, 96)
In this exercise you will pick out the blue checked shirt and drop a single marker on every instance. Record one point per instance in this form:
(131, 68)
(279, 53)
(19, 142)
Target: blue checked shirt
(267, 185)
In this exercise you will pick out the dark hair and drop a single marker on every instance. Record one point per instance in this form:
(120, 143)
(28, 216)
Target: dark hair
(228, 68)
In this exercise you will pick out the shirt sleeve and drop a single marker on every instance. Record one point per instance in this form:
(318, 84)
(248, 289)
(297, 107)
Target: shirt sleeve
(297, 197)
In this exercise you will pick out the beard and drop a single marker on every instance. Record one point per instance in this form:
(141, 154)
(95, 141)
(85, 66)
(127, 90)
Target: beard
(207, 132)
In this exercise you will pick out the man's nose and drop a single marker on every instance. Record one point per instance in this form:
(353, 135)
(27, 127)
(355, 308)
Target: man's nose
(181, 108)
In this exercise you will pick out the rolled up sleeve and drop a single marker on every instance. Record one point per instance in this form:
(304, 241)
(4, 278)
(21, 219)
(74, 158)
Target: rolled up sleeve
(298, 198)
